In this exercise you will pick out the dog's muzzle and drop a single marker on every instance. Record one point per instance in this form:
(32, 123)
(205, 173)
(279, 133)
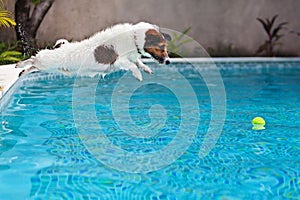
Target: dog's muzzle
(167, 60)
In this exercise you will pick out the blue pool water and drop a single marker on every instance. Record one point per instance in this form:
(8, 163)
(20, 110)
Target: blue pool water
(43, 154)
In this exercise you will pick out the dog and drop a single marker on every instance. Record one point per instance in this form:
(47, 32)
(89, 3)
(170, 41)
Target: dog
(119, 47)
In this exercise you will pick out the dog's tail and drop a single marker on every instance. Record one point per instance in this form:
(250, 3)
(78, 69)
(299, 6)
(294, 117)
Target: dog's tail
(28, 46)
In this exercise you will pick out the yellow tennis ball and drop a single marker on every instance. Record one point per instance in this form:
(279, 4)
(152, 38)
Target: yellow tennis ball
(258, 123)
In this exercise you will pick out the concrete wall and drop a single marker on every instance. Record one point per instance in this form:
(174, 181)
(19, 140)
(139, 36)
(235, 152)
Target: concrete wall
(223, 25)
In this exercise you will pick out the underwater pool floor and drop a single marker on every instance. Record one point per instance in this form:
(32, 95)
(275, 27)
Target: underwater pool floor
(43, 155)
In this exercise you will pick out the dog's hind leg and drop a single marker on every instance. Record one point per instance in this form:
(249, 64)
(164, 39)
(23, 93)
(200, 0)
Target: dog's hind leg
(144, 67)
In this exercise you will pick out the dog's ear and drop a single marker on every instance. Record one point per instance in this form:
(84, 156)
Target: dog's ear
(167, 36)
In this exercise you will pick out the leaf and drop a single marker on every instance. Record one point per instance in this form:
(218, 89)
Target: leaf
(184, 33)
(6, 18)
(175, 36)
(268, 22)
(187, 30)
(282, 24)
(10, 53)
(277, 37)
(7, 21)
(185, 41)
(177, 41)
(10, 56)
(36, 1)
(13, 59)
(273, 20)
(278, 28)
(262, 47)
(264, 25)
(4, 23)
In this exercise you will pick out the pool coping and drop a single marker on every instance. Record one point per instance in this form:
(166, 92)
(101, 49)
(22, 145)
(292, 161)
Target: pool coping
(231, 59)
(9, 75)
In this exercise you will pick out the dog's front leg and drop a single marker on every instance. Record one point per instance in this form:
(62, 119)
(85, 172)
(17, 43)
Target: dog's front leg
(126, 64)
(144, 67)
(25, 63)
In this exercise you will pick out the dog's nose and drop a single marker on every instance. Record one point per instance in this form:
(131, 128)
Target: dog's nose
(168, 62)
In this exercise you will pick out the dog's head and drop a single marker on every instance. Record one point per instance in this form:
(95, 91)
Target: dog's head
(156, 46)
(152, 42)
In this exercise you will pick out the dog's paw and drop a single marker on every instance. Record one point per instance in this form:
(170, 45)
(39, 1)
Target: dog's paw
(138, 75)
(19, 64)
(148, 70)
(144, 67)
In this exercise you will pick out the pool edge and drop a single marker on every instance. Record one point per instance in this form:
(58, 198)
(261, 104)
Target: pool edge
(229, 59)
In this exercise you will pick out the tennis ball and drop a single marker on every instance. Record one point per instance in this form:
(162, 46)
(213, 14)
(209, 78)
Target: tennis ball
(258, 123)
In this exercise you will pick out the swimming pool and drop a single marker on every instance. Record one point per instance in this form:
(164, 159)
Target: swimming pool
(46, 140)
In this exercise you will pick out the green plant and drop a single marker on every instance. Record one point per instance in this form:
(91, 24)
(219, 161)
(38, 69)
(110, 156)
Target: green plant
(36, 1)
(222, 50)
(176, 43)
(6, 18)
(273, 35)
(9, 53)
(7, 57)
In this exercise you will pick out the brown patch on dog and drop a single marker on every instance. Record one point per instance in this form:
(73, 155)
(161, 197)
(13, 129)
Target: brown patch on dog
(156, 45)
(105, 55)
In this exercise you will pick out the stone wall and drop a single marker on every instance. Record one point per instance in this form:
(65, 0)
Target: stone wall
(223, 26)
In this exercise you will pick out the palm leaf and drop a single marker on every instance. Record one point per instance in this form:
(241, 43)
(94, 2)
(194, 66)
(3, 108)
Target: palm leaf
(6, 18)
(5, 21)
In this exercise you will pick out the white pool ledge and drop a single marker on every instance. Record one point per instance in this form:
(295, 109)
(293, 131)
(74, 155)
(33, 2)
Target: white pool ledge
(8, 76)
(231, 59)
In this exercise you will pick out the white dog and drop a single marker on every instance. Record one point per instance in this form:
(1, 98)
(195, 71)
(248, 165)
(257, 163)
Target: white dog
(116, 48)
